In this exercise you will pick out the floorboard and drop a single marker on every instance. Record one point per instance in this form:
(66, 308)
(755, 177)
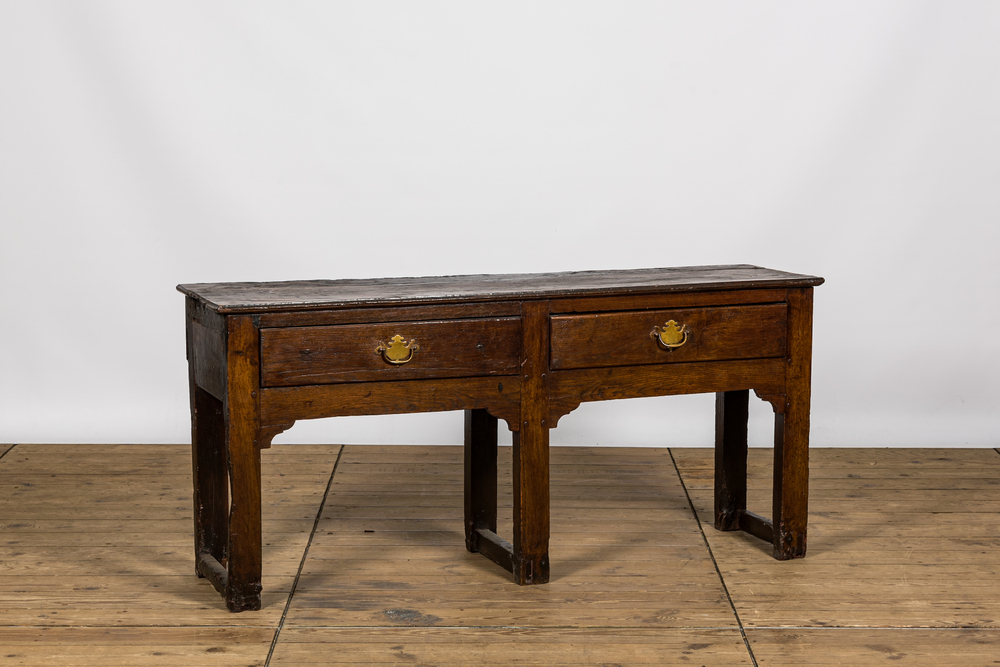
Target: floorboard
(96, 565)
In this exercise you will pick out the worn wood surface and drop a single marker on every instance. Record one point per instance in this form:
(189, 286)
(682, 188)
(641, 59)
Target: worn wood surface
(623, 338)
(512, 646)
(790, 497)
(500, 395)
(731, 409)
(865, 646)
(324, 294)
(95, 562)
(530, 472)
(452, 348)
(241, 414)
(621, 302)
(570, 388)
(388, 549)
(455, 311)
(100, 536)
(479, 476)
(320, 360)
(896, 540)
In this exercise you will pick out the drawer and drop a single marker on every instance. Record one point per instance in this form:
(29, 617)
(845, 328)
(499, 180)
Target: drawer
(626, 338)
(293, 356)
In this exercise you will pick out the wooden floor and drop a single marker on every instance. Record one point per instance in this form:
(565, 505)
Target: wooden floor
(365, 563)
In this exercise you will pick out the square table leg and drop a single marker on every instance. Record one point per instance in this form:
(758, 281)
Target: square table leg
(480, 476)
(731, 413)
(210, 475)
(791, 433)
(243, 581)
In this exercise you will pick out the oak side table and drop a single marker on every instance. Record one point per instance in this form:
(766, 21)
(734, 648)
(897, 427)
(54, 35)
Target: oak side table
(526, 349)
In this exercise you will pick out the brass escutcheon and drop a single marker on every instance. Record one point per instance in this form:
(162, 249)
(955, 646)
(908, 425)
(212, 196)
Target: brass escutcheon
(671, 335)
(398, 351)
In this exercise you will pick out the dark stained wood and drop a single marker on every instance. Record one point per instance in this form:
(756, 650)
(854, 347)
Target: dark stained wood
(791, 433)
(526, 349)
(210, 475)
(458, 311)
(349, 353)
(211, 569)
(531, 451)
(624, 338)
(494, 547)
(756, 525)
(570, 388)
(325, 294)
(209, 350)
(480, 476)
(499, 395)
(731, 411)
(600, 304)
(208, 447)
(242, 424)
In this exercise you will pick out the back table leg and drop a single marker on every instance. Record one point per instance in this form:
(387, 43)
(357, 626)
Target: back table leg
(480, 476)
(211, 496)
(731, 411)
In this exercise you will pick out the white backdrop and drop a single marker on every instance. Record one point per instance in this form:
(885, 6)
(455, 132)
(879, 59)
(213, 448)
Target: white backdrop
(144, 144)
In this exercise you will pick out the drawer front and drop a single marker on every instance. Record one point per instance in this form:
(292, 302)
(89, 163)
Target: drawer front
(295, 356)
(704, 334)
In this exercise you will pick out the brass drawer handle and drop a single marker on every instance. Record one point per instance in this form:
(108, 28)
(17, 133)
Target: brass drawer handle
(398, 351)
(671, 335)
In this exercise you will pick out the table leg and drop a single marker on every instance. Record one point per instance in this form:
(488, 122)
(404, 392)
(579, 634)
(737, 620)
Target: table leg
(531, 451)
(531, 504)
(731, 412)
(211, 497)
(242, 422)
(480, 475)
(791, 434)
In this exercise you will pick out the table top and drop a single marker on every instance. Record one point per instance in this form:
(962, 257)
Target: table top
(315, 294)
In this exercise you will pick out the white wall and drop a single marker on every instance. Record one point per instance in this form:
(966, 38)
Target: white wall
(147, 144)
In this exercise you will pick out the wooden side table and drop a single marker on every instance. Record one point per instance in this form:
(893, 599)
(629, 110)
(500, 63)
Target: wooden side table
(526, 349)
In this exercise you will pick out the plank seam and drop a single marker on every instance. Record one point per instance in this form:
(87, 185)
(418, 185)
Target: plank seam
(302, 563)
(715, 563)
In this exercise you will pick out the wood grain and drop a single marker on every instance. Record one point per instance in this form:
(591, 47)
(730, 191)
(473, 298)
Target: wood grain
(451, 348)
(921, 648)
(95, 562)
(881, 555)
(513, 646)
(499, 395)
(596, 340)
(569, 388)
(324, 294)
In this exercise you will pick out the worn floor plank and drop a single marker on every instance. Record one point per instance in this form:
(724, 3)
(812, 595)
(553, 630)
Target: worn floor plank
(416, 577)
(879, 556)
(101, 536)
(919, 648)
(510, 646)
(96, 565)
(99, 647)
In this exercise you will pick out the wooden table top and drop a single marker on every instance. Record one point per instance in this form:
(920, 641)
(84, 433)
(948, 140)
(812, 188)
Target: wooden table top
(315, 294)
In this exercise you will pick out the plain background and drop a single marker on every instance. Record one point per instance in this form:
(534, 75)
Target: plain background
(148, 144)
